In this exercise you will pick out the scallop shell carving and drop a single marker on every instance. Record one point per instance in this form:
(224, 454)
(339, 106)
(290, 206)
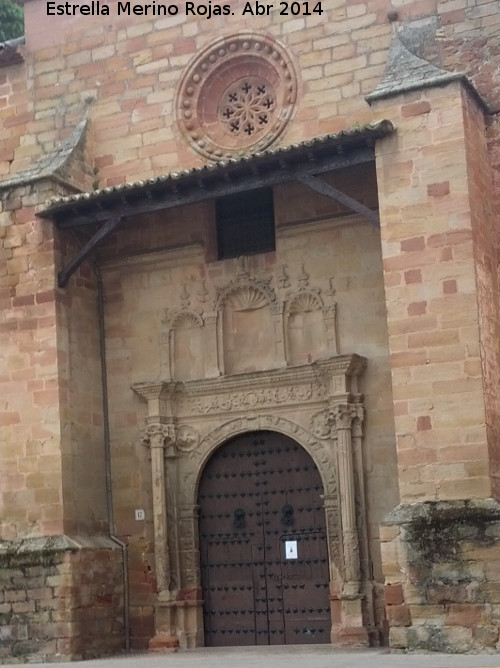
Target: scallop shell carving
(186, 320)
(304, 303)
(247, 298)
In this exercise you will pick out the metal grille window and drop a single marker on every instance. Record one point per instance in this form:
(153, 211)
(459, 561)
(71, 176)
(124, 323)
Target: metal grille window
(245, 223)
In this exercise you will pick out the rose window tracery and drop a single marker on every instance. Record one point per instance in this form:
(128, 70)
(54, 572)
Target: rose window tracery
(236, 96)
(247, 107)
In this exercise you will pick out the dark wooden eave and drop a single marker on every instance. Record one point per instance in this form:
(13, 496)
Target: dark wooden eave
(303, 162)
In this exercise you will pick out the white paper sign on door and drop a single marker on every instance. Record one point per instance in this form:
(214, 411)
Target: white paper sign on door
(291, 549)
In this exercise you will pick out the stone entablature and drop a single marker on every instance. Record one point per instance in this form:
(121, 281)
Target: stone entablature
(319, 406)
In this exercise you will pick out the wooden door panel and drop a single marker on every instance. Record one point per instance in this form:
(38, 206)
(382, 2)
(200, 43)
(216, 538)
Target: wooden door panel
(258, 491)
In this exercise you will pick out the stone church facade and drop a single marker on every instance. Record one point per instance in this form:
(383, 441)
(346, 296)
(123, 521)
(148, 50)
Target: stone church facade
(249, 331)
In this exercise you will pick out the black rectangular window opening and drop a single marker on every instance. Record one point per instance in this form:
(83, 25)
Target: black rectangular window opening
(245, 223)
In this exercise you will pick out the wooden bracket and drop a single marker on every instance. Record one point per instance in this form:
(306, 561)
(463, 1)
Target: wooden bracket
(330, 191)
(66, 272)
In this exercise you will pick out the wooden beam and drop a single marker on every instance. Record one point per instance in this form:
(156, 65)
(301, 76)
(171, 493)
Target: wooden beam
(67, 271)
(330, 191)
(186, 190)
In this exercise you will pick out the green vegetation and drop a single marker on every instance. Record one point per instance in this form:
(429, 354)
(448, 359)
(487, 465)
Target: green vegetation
(11, 20)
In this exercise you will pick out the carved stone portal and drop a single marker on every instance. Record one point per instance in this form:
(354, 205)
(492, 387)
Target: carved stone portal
(319, 406)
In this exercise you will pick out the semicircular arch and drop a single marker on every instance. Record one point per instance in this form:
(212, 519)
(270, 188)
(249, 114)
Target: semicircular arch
(211, 442)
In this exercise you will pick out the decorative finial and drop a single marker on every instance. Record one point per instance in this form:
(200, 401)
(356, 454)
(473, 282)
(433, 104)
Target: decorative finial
(283, 278)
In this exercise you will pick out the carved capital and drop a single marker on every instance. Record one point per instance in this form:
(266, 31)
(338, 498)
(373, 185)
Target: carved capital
(360, 412)
(330, 312)
(342, 415)
(158, 435)
(170, 437)
(210, 318)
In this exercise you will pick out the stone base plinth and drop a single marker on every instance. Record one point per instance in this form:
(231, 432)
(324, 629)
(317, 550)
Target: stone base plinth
(347, 621)
(62, 599)
(179, 618)
(441, 564)
(164, 643)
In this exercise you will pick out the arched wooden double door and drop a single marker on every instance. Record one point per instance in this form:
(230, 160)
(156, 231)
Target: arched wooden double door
(264, 559)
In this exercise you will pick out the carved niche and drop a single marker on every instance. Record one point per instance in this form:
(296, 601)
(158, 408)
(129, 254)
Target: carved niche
(309, 324)
(183, 342)
(246, 311)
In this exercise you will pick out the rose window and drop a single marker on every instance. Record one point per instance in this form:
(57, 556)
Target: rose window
(236, 96)
(247, 107)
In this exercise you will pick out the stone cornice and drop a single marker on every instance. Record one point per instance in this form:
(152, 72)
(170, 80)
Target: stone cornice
(318, 372)
(322, 381)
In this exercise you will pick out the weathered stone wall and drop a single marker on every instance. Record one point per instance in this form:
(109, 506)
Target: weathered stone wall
(52, 419)
(60, 599)
(16, 105)
(450, 553)
(81, 402)
(440, 552)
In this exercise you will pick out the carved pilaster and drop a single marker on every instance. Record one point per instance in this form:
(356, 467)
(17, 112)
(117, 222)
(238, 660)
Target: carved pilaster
(361, 517)
(331, 504)
(212, 353)
(330, 319)
(165, 356)
(342, 416)
(188, 546)
(279, 332)
(159, 437)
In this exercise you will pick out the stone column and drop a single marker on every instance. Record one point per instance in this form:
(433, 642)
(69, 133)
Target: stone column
(368, 585)
(343, 415)
(158, 437)
(348, 620)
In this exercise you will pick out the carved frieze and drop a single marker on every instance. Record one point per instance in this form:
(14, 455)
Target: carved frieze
(252, 399)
